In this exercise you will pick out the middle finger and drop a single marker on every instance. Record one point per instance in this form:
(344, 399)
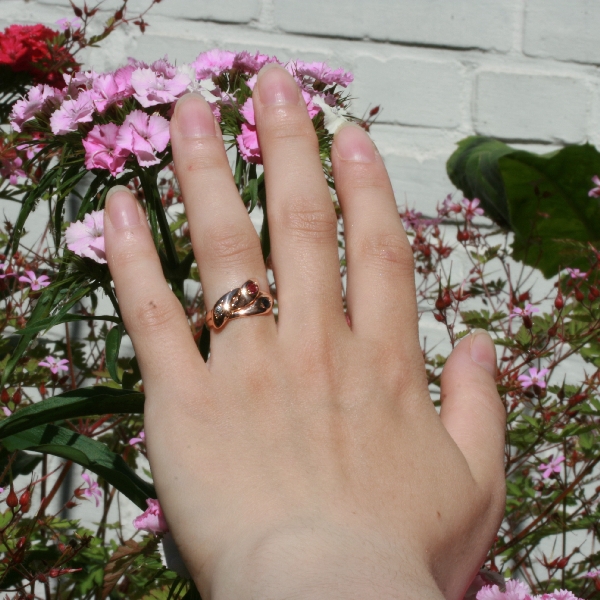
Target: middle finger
(302, 219)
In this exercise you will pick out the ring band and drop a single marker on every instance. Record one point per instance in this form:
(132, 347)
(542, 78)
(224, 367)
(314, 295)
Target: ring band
(244, 301)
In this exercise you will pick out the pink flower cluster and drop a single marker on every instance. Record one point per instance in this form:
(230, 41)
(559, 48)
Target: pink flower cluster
(85, 104)
(515, 590)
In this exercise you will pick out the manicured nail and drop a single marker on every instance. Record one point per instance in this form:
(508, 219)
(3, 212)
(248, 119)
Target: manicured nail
(122, 207)
(194, 117)
(352, 142)
(276, 86)
(483, 351)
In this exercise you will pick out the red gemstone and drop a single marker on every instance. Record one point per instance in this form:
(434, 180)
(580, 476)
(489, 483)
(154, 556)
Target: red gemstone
(252, 288)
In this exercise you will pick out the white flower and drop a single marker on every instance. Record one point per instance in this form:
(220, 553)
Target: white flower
(335, 116)
(202, 86)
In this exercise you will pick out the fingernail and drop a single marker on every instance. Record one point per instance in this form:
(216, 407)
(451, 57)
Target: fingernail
(483, 351)
(122, 207)
(351, 142)
(276, 86)
(194, 117)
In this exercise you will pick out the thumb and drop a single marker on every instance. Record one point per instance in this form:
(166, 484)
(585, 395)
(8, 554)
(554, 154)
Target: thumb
(472, 411)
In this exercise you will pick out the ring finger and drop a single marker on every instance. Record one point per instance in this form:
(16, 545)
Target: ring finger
(225, 242)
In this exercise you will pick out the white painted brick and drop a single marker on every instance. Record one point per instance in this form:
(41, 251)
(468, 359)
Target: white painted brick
(485, 24)
(531, 107)
(563, 30)
(411, 92)
(228, 11)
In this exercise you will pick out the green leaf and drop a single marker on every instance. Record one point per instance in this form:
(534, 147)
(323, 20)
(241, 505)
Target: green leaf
(550, 211)
(112, 347)
(60, 318)
(83, 402)
(88, 453)
(473, 169)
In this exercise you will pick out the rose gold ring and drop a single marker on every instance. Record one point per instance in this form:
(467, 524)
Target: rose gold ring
(240, 302)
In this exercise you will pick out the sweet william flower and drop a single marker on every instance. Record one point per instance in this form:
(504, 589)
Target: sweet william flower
(73, 112)
(36, 100)
(144, 135)
(553, 466)
(86, 238)
(535, 377)
(152, 519)
(156, 88)
(36, 283)
(213, 62)
(334, 117)
(103, 152)
(55, 365)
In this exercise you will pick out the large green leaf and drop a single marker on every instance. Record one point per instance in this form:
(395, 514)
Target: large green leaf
(83, 402)
(88, 453)
(550, 211)
(473, 169)
(112, 347)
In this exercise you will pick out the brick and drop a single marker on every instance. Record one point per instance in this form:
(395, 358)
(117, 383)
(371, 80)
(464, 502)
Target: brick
(531, 107)
(410, 91)
(226, 11)
(563, 30)
(486, 24)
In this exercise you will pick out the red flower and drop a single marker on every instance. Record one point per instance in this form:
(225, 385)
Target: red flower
(32, 49)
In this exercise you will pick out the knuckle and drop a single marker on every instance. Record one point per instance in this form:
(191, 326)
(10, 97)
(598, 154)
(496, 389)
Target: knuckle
(285, 123)
(156, 313)
(389, 251)
(226, 244)
(306, 221)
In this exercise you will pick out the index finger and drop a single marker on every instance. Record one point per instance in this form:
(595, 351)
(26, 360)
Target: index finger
(152, 314)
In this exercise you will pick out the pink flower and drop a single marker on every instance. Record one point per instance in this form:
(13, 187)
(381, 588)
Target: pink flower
(515, 590)
(319, 71)
(105, 91)
(251, 64)
(10, 168)
(34, 281)
(576, 274)
(534, 378)
(595, 192)
(86, 238)
(248, 139)
(73, 24)
(144, 135)
(471, 208)
(448, 206)
(6, 411)
(55, 365)
(138, 440)
(152, 519)
(593, 573)
(71, 113)
(552, 467)
(523, 312)
(36, 100)
(102, 150)
(93, 491)
(213, 62)
(155, 88)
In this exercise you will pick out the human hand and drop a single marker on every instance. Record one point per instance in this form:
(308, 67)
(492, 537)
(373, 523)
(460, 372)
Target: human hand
(305, 459)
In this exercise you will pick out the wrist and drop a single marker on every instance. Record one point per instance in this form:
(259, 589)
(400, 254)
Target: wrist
(314, 564)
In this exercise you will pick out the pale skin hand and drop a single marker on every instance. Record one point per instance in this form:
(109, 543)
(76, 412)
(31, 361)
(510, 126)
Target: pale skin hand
(306, 459)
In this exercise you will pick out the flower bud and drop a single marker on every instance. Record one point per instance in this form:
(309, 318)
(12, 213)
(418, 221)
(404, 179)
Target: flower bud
(25, 501)
(579, 295)
(594, 291)
(439, 318)
(552, 331)
(462, 236)
(17, 396)
(11, 500)
(4, 396)
(527, 322)
(559, 301)
(440, 304)
(53, 573)
(562, 563)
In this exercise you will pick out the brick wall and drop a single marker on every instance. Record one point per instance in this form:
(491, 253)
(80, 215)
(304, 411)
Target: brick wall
(521, 70)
